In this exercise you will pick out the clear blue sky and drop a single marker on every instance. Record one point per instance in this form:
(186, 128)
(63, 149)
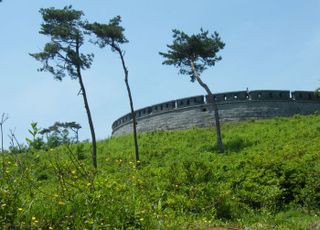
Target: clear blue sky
(269, 45)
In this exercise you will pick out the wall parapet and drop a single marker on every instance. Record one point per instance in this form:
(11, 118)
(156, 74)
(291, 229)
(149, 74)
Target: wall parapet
(220, 98)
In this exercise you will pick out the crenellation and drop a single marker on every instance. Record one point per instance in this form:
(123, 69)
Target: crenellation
(167, 106)
(269, 95)
(190, 101)
(162, 107)
(230, 96)
(240, 95)
(305, 95)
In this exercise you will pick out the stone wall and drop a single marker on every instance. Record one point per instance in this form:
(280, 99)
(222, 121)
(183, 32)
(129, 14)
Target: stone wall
(233, 106)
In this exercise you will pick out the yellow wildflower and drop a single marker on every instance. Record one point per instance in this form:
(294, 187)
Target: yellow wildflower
(61, 203)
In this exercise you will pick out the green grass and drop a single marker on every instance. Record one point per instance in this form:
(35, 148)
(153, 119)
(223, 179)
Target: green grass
(269, 177)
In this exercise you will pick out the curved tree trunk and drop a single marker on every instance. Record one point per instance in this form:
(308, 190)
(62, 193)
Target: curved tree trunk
(86, 105)
(214, 105)
(133, 114)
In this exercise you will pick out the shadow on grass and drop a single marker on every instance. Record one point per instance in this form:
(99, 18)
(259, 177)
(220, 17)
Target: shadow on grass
(237, 143)
(234, 144)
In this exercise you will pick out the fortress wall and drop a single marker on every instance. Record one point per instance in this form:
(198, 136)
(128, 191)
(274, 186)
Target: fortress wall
(203, 116)
(233, 106)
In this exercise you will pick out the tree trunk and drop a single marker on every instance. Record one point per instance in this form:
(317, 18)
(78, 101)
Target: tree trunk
(133, 114)
(19, 146)
(77, 136)
(1, 137)
(93, 135)
(86, 105)
(214, 105)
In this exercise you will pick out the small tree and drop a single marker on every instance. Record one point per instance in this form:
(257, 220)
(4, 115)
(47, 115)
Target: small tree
(74, 127)
(61, 56)
(36, 143)
(192, 55)
(111, 35)
(58, 133)
(4, 118)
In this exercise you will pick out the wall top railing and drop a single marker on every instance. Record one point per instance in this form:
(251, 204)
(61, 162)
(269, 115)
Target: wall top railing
(255, 95)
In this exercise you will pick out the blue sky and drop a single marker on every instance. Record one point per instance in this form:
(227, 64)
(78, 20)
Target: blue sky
(269, 45)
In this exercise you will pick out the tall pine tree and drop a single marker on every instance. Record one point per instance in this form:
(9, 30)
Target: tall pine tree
(192, 55)
(61, 56)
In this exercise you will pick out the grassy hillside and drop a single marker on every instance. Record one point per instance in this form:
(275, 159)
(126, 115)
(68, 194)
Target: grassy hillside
(269, 177)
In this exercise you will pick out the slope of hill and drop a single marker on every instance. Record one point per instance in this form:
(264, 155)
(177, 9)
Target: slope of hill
(269, 177)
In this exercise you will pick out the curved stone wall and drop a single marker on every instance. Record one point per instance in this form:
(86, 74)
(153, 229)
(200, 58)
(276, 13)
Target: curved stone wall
(233, 106)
